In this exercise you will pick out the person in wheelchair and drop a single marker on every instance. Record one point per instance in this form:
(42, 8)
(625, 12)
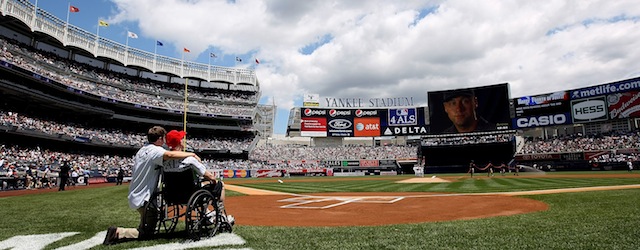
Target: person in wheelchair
(175, 141)
(148, 162)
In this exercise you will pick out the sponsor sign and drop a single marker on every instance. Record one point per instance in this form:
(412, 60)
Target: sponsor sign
(332, 163)
(541, 120)
(366, 113)
(309, 112)
(552, 103)
(340, 127)
(311, 100)
(402, 116)
(350, 163)
(366, 126)
(605, 89)
(406, 130)
(534, 157)
(624, 105)
(369, 163)
(589, 110)
(313, 126)
(387, 162)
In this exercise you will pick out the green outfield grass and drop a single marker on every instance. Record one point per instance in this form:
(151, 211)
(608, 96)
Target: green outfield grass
(588, 220)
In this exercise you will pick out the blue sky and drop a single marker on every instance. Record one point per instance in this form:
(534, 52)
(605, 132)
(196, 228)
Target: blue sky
(382, 48)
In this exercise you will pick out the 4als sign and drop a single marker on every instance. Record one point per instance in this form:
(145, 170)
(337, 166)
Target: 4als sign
(589, 110)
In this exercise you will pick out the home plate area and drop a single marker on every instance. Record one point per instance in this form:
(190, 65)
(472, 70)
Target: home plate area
(324, 202)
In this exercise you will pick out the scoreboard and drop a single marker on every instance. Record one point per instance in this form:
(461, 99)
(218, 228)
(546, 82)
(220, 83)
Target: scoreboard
(402, 121)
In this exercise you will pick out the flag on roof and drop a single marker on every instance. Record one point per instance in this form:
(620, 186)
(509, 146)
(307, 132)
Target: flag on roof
(73, 9)
(238, 59)
(103, 23)
(159, 43)
(257, 61)
(213, 55)
(131, 34)
(186, 50)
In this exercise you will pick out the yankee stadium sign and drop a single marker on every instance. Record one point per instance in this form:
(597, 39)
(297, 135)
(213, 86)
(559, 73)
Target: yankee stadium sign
(331, 102)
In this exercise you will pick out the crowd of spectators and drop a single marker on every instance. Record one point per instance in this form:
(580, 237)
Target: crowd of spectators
(464, 140)
(580, 143)
(127, 89)
(271, 152)
(111, 136)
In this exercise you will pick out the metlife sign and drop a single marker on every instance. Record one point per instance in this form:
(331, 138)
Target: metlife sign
(589, 110)
(605, 89)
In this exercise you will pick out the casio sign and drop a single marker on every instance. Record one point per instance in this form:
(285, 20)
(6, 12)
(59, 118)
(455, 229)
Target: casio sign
(589, 110)
(536, 121)
(340, 124)
(310, 112)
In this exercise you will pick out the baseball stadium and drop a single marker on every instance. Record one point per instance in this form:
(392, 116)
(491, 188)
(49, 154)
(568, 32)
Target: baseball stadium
(548, 171)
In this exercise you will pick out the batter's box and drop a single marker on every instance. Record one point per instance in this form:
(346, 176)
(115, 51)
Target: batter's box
(324, 202)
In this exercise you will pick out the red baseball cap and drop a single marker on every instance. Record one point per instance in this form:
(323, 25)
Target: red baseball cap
(174, 138)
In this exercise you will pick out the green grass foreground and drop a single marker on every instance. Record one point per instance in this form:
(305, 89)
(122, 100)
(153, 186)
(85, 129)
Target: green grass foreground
(587, 220)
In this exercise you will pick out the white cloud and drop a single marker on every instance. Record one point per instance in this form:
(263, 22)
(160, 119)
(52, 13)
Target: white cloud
(389, 49)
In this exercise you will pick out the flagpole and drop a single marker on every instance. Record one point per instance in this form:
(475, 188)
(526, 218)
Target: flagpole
(209, 67)
(35, 14)
(98, 32)
(68, 11)
(66, 25)
(155, 57)
(95, 52)
(186, 83)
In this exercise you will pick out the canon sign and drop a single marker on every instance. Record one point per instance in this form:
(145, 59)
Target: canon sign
(590, 110)
(314, 112)
(542, 120)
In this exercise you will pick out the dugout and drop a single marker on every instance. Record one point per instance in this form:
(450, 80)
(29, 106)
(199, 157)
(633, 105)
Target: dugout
(453, 152)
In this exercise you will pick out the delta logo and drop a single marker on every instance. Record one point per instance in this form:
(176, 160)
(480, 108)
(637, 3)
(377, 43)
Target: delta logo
(313, 112)
(361, 113)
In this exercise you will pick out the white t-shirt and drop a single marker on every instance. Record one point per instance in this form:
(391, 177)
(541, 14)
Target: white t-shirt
(178, 165)
(146, 171)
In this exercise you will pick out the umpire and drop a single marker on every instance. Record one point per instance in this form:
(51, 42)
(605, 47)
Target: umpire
(64, 175)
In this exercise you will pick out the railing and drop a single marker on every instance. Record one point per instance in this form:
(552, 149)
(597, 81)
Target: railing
(42, 21)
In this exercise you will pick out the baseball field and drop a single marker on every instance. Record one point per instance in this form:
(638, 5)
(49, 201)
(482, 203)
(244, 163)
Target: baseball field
(566, 210)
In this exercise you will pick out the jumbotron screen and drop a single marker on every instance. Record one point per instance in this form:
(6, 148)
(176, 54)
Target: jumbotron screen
(470, 110)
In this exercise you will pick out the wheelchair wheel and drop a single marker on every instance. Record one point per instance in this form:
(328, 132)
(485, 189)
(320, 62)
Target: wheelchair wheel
(201, 217)
(168, 215)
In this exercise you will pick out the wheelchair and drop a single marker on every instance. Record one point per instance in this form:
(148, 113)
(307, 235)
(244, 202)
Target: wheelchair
(180, 194)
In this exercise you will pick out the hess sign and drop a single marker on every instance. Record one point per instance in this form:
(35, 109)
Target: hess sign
(402, 117)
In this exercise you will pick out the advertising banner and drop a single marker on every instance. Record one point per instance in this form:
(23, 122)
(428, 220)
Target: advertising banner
(542, 110)
(404, 121)
(369, 163)
(542, 120)
(340, 123)
(589, 110)
(469, 110)
(313, 127)
(624, 105)
(605, 89)
(367, 126)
